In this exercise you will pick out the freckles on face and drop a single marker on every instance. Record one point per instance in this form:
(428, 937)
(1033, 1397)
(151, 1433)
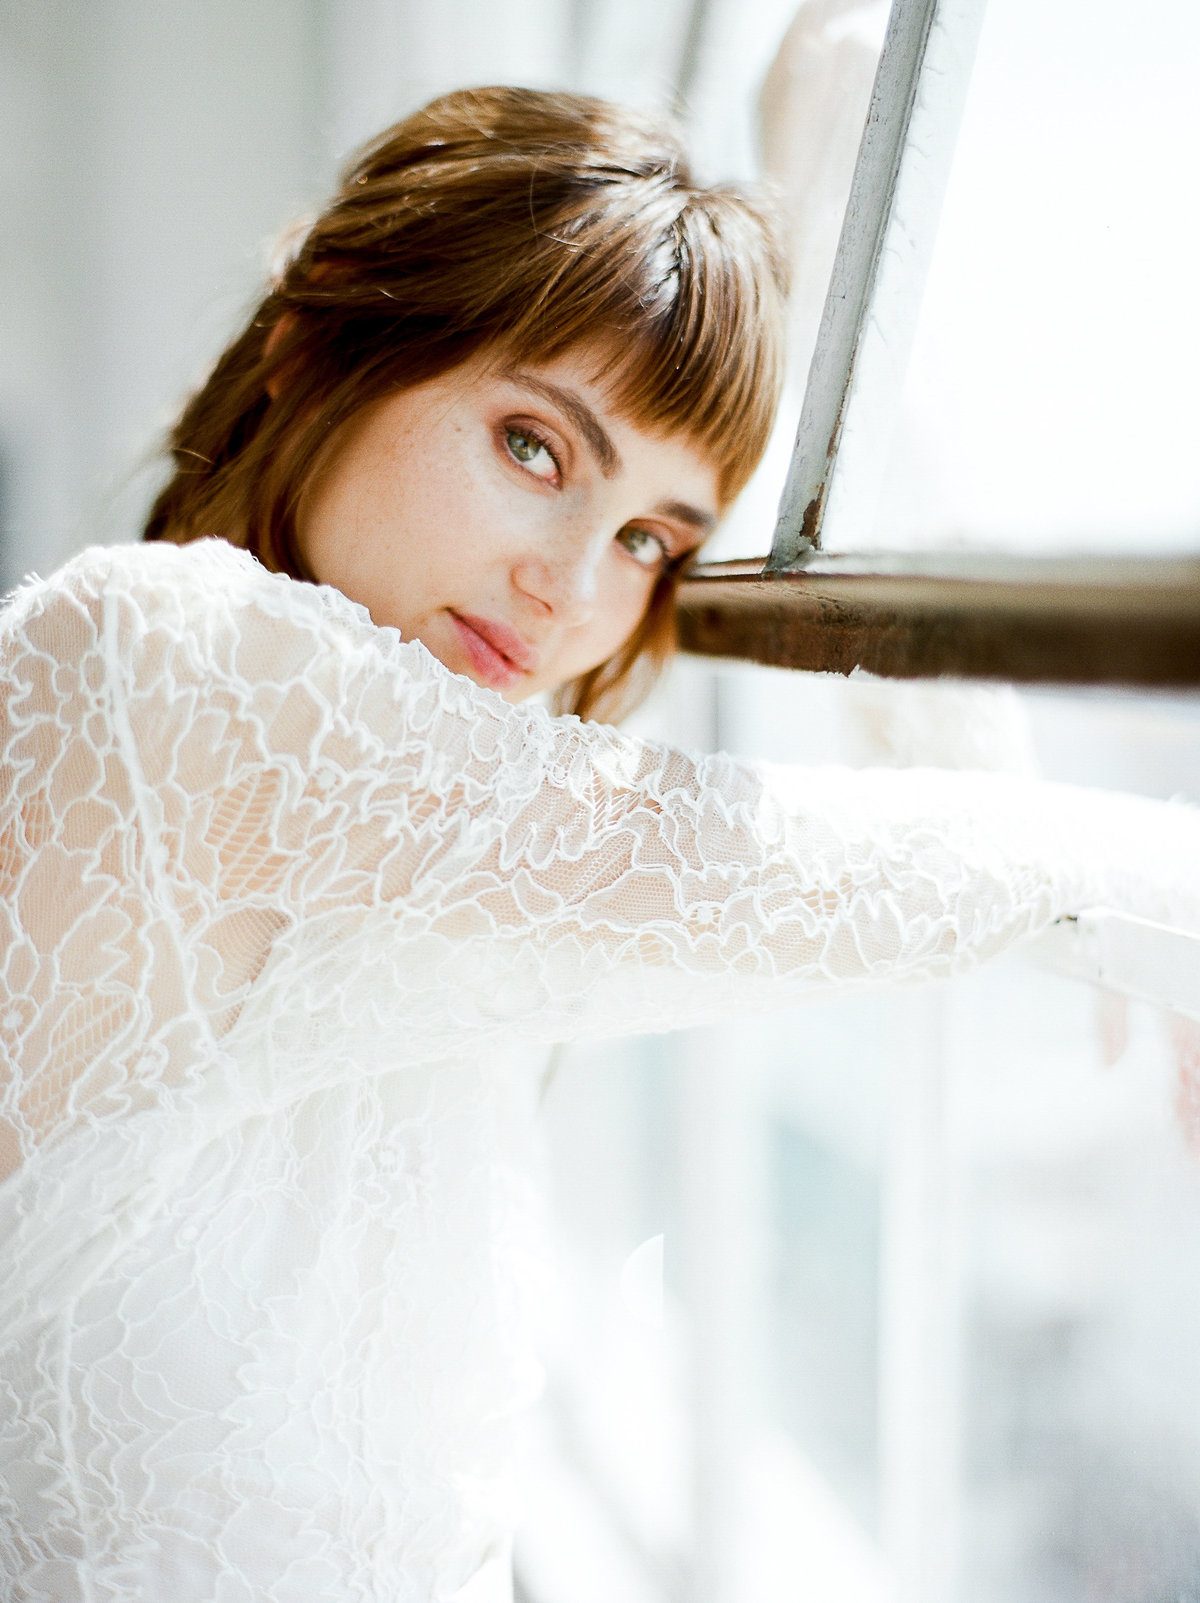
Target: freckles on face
(509, 518)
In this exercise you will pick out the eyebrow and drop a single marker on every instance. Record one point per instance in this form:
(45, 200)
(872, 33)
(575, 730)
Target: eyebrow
(702, 522)
(600, 443)
(598, 440)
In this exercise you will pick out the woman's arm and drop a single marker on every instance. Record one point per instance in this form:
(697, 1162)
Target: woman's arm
(303, 765)
(214, 778)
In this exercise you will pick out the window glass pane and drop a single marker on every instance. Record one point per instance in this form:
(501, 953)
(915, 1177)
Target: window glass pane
(1076, 1135)
(1051, 401)
(823, 1148)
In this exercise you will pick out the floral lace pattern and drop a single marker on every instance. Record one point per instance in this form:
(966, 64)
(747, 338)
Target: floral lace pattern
(278, 894)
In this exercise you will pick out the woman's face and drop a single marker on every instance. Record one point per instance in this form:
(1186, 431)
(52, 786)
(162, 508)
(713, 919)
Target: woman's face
(508, 517)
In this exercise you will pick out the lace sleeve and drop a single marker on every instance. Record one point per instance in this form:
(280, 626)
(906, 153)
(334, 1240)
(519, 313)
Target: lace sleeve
(313, 777)
(234, 805)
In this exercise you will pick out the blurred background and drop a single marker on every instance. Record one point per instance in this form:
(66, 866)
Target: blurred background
(891, 1298)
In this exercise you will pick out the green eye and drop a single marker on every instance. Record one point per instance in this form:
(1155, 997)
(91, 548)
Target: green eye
(644, 547)
(523, 446)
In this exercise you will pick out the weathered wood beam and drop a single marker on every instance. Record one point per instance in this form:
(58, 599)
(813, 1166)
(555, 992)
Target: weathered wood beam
(1084, 621)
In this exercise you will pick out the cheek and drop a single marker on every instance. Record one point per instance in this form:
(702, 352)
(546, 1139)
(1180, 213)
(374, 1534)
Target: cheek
(403, 509)
(621, 605)
(460, 512)
(627, 591)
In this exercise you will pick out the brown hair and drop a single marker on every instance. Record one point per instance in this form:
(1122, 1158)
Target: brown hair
(508, 219)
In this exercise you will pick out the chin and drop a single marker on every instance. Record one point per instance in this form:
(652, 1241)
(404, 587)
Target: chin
(516, 697)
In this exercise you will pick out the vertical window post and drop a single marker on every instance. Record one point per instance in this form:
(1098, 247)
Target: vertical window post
(878, 275)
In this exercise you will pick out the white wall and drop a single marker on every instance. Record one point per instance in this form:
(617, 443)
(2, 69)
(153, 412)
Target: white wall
(150, 147)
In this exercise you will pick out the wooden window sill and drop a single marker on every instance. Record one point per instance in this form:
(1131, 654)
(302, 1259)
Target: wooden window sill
(1051, 620)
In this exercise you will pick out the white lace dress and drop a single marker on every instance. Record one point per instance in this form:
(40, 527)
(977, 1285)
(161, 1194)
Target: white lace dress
(278, 894)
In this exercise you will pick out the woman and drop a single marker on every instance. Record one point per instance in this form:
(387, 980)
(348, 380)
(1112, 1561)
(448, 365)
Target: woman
(287, 870)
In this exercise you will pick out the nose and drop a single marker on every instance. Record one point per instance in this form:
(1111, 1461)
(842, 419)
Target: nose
(563, 583)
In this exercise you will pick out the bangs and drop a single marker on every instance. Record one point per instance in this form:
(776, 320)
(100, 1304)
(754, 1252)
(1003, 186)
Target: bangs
(684, 300)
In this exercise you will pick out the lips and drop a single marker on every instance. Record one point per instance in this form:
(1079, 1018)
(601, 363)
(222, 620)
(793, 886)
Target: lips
(497, 653)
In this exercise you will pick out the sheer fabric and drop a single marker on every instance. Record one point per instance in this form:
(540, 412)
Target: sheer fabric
(279, 894)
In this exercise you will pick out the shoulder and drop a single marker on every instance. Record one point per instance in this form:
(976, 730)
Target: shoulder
(203, 575)
(210, 569)
(164, 616)
(207, 594)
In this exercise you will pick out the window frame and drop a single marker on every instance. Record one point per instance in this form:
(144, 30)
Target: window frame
(805, 605)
